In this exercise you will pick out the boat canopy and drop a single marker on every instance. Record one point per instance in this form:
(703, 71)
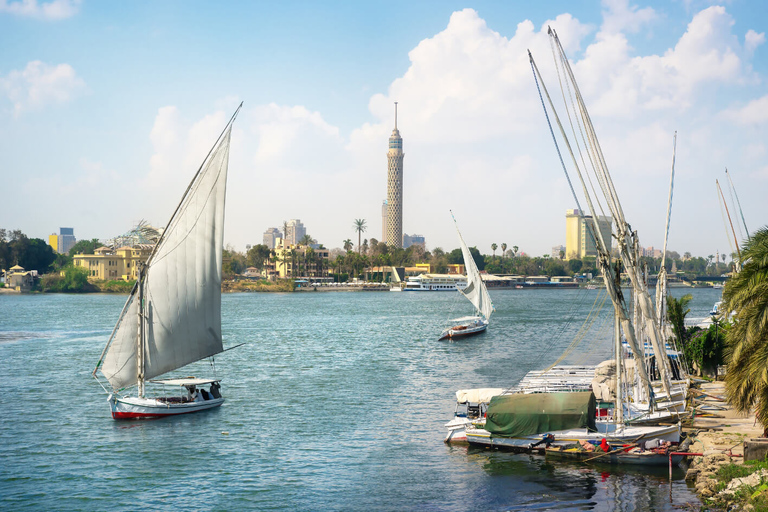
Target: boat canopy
(466, 318)
(476, 396)
(188, 381)
(539, 413)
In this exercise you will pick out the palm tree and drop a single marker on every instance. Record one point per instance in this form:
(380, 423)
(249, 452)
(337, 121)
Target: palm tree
(359, 227)
(493, 248)
(746, 294)
(503, 250)
(514, 250)
(306, 240)
(347, 245)
(285, 232)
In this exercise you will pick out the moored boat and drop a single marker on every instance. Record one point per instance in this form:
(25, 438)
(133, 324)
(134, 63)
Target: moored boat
(629, 455)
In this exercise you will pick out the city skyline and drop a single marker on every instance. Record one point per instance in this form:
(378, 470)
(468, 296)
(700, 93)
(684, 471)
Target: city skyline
(105, 129)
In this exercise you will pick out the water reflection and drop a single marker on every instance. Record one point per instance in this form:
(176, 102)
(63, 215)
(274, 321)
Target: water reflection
(530, 482)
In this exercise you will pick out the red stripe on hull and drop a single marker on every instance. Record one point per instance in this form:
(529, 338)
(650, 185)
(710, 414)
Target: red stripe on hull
(119, 415)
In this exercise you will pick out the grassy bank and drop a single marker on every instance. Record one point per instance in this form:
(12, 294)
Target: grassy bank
(258, 286)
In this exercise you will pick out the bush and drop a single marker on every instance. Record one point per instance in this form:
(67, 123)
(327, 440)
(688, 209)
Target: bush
(74, 280)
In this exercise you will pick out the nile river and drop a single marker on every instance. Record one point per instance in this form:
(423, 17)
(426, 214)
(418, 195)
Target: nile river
(336, 402)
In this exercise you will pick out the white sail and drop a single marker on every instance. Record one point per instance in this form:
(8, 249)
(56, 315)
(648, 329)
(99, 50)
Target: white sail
(182, 285)
(475, 291)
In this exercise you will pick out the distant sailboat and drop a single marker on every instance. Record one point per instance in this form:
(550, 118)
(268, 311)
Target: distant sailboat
(172, 317)
(476, 293)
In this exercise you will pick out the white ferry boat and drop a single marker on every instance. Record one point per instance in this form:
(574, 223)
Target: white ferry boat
(435, 283)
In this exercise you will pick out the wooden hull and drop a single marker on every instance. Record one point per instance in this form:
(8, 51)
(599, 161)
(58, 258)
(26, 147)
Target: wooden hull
(624, 435)
(635, 458)
(135, 408)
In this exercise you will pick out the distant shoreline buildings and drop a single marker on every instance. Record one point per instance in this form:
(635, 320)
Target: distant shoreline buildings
(64, 241)
(579, 240)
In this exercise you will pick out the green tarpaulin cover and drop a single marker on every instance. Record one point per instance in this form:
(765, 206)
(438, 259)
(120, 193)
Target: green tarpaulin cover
(539, 413)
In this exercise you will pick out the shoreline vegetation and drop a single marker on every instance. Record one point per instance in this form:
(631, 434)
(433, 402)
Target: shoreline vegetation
(55, 283)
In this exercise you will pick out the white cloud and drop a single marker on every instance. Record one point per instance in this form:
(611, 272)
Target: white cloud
(41, 84)
(54, 10)
(292, 158)
(752, 40)
(754, 112)
(622, 85)
(619, 16)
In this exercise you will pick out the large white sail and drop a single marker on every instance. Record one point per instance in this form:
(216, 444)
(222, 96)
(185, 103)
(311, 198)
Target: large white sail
(475, 290)
(182, 285)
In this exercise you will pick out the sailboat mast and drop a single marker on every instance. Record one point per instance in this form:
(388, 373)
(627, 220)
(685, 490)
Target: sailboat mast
(738, 203)
(140, 338)
(738, 251)
(618, 407)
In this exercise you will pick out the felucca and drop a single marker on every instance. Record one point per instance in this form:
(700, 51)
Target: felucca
(172, 317)
(476, 293)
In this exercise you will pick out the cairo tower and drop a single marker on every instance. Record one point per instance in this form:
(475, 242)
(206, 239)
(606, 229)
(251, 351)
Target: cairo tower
(394, 234)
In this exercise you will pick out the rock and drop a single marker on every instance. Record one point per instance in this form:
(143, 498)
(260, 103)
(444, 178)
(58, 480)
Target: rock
(691, 474)
(752, 480)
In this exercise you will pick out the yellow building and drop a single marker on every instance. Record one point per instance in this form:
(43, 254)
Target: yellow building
(53, 241)
(579, 241)
(288, 255)
(108, 265)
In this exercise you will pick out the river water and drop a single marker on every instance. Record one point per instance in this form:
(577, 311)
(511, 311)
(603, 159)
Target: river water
(336, 402)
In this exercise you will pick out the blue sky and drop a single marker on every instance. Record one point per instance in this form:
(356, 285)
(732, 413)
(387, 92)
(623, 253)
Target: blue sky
(106, 109)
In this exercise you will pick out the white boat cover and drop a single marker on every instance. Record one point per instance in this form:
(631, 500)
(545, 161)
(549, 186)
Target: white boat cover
(182, 285)
(476, 396)
(189, 381)
(465, 319)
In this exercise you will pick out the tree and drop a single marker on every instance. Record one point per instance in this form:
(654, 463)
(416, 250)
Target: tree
(285, 232)
(347, 245)
(359, 227)
(514, 250)
(503, 250)
(746, 294)
(306, 240)
(575, 265)
(677, 309)
(75, 279)
(493, 248)
(85, 247)
(257, 255)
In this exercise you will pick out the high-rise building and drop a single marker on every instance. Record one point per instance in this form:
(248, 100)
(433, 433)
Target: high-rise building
(270, 236)
(66, 240)
(394, 230)
(579, 239)
(53, 241)
(409, 240)
(295, 232)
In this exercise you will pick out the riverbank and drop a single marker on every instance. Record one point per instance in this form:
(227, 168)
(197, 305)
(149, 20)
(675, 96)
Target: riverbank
(720, 432)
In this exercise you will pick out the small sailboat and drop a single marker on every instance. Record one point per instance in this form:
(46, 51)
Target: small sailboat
(476, 293)
(172, 317)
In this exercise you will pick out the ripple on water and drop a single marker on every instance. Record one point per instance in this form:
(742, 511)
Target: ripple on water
(336, 402)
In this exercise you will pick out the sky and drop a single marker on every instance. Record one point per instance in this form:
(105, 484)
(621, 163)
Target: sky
(108, 108)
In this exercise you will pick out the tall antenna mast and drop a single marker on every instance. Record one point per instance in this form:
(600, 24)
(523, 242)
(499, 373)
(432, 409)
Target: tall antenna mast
(395, 115)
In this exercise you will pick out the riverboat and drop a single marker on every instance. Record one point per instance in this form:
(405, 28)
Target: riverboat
(435, 283)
